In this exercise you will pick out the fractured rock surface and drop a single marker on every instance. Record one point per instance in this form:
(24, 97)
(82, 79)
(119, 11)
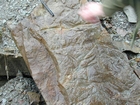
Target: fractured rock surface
(19, 91)
(12, 12)
(71, 62)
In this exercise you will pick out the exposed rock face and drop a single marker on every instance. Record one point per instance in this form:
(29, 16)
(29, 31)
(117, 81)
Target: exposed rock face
(121, 30)
(12, 12)
(19, 91)
(70, 64)
(9, 65)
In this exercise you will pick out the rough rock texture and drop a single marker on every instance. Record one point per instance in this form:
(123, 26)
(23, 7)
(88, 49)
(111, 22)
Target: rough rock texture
(12, 12)
(70, 64)
(19, 91)
(9, 65)
(121, 31)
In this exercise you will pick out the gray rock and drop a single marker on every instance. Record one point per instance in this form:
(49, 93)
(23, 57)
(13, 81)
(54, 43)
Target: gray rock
(19, 91)
(130, 12)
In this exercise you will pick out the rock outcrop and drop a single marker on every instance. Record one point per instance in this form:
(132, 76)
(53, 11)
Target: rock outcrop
(71, 61)
(12, 12)
(19, 91)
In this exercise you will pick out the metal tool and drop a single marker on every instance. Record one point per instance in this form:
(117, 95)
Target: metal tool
(47, 8)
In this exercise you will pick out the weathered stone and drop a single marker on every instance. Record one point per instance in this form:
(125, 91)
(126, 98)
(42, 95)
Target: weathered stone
(11, 12)
(19, 91)
(121, 32)
(9, 65)
(130, 12)
(71, 62)
(123, 43)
